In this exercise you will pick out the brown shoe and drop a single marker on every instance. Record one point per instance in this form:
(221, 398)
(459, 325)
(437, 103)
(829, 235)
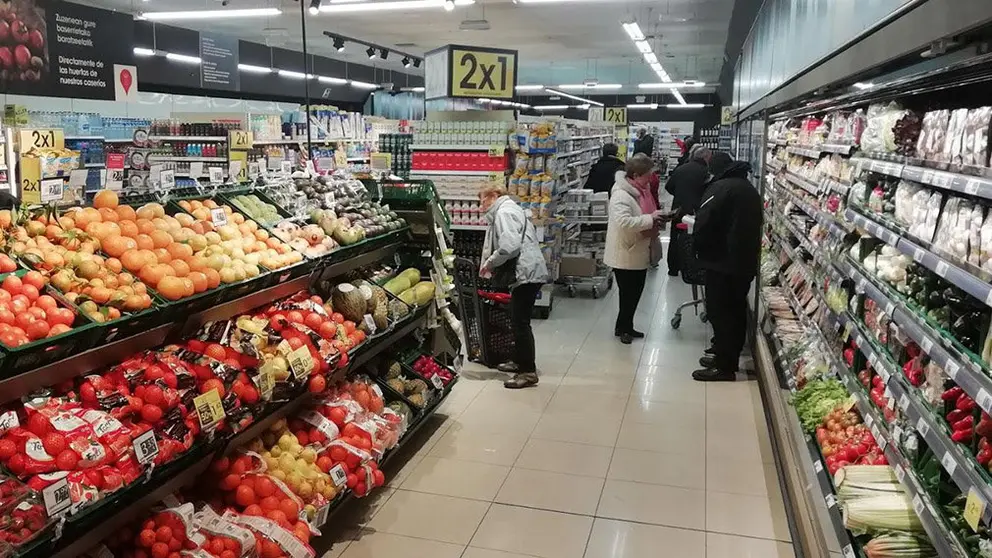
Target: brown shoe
(521, 381)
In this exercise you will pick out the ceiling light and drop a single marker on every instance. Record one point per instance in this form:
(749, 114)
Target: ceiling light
(416, 62)
(670, 85)
(339, 44)
(211, 14)
(144, 51)
(183, 58)
(583, 106)
(388, 6)
(863, 86)
(371, 52)
(575, 86)
(333, 80)
(383, 53)
(314, 7)
(417, 89)
(254, 69)
(530, 87)
(577, 98)
(363, 85)
(552, 107)
(643, 46)
(449, 5)
(650, 58)
(406, 61)
(643, 105)
(294, 75)
(686, 106)
(634, 30)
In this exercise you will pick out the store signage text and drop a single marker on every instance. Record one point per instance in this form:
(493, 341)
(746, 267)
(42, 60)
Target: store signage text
(482, 72)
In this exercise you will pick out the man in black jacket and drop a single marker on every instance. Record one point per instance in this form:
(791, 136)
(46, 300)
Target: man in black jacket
(644, 143)
(686, 186)
(727, 239)
(602, 175)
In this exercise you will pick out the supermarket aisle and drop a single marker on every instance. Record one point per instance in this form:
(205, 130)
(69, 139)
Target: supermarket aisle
(618, 453)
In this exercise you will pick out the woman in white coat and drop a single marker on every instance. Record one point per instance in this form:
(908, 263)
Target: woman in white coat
(630, 234)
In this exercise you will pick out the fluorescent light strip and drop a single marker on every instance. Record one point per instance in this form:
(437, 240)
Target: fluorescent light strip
(670, 85)
(295, 75)
(210, 14)
(184, 58)
(363, 84)
(139, 51)
(634, 30)
(551, 107)
(643, 106)
(685, 106)
(334, 80)
(576, 86)
(678, 96)
(254, 69)
(388, 6)
(570, 96)
(650, 58)
(530, 87)
(643, 46)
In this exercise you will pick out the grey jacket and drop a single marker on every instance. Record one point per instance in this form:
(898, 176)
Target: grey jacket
(506, 222)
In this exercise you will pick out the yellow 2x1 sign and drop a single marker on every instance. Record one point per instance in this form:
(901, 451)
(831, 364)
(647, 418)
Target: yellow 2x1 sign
(482, 72)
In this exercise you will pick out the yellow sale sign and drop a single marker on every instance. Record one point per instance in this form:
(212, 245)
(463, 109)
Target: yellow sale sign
(482, 72)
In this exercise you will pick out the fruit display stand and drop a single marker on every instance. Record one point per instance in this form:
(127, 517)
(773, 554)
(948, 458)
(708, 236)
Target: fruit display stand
(168, 325)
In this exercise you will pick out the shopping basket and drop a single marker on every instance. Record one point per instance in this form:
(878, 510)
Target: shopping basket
(485, 316)
(692, 274)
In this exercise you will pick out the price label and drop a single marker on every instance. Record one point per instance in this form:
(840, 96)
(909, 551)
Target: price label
(971, 188)
(918, 254)
(253, 170)
(861, 284)
(286, 167)
(209, 408)
(266, 382)
(873, 361)
(900, 472)
(308, 166)
(218, 216)
(849, 552)
(869, 421)
(377, 390)
(320, 519)
(941, 180)
(338, 476)
(927, 345)
(890, 309)
(241, 140)
(196, 169)
(216, 175)
(927, 177)
(145, 447)
(818, 466)
(115, 171)
(831, 500)
(904, 402)
(974, 507)
(984, 400)
(52, 189)
(437, 382)
(922, 427)
(300, 362)
(369, 324)
(236, 168)
(56, 496)
(948, 462)
(951, 368)
(496, 150)
(168, 179)
(918, 505)
(941, 268)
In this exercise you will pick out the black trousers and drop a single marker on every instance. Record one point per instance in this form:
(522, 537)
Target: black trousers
(630, 283)
(522, 299)
(726, 306)
(673, 251)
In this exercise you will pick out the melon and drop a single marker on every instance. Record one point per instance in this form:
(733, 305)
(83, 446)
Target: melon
(412, 276)
(348, 300)
(423, 292)
(397, 284)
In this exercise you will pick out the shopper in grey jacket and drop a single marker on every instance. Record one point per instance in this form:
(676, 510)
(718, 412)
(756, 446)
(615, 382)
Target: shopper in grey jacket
(511, 235)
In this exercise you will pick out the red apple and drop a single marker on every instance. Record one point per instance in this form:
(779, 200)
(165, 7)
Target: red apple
(19, 31)
(4, 31)
(22, 56)
(6, 58)
(36, 42)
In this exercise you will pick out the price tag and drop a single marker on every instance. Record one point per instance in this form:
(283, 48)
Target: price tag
(437, 382)
(927, 345)
(209, 408)
(145, 447)
(167, 178)
(218, 216)
(369, 324)
(40, 139)
(974, 507)
(951, 368)
(948, 462)
(918, 505)
(861, 284)
(286, 167)
(847, 330)
(971, 188)
(900, 472)
(873, 361)
(941, 180)
(831, 500)
(115, 171)
(308, 166)
(266, 382)
(984, 400)
(56, 496)
(918, 254)
(496, 150)
(881, 441)
(216, 175)
(849, 552)
(941, 268)
(377, 390)
(818, 466)
(253, 170)
(922, 427)
(8, 420)
(196, 169)
(52, 189)
(338, 476)
(927, 177)
(320, 519)
(904, 402)
(869, 421)
(235, 167)
(300, 362)
(890, 309)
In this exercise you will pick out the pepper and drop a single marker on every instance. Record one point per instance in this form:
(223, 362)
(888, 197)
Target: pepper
(965, 403)
(984, 456)
(961, 436)
(952, 394)
(955, 416)
(984, 427)
(967, 423)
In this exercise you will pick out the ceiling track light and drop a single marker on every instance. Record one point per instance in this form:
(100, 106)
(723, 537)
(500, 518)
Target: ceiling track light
(416, 62)
(371, 52)
(383, 53)
(685, 106)
(314, 7)
(254, 69)
(339, 44)
(643, 106)
(449, 5)
(140, 51)
(183, 58)
(406, 61)
(210, 14)
(530, 87)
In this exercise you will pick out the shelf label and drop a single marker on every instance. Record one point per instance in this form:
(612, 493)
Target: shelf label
(984, 400)
(818, 466)
(918, 505)
(266, 382)
(927, 344)
(849, 552)
(253, 170)
(209, 408)
(948, 462)
(300, 362)
(918, 254)
(496, 150)
(869, 421)
(831, 500)
(52, 189)
(974, 507)
(369, 324)
(900, 472)
(145, 447)
(904, 402)
(40, 139)
(286, 167)
(941, 268)
(167, 178)
(922, 427)
(216, 175)
(941, 180)
(236, 169)
(115, 171)
(338, 476)
(890, 309)
(927, 177)
(951, 368)
(196, 169)
(218, 216)
(437, 382)
(971, 188)
(320, 519)
(56, 496)
(873, 361)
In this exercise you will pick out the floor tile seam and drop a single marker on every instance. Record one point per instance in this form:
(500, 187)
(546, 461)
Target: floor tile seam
(477, 527)
(560, 472)
(566, 442)
(498, 550)
(483, 500)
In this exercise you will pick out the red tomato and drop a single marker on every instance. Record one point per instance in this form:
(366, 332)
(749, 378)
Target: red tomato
(12, 284)
(4, 296)
(37, 312)
(62, 316)
(349, 326)
(328, 330)
(216, 351)
(46, 303)
(24, 319)
(30, 291)
(9, 338)
(295, 342)
(58, 329)
(314, 321)
(34, 278)
(337, 317)
(6, 316)
(37, 329)
(295, 316)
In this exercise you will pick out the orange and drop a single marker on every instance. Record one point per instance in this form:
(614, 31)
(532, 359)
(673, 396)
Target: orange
(213, 277)
(180, 251)
(172, 288)
(126, 213)
(106, 199)
(199, 281)
(153, 274)
(244, 496)
(145, 242)
(180, 267)
(132, 260)
(145, 226)
(149, 256)
(162, 255)
(128, 228)
(116, 246)
(188, 285)
(161, 238)
(109, 215)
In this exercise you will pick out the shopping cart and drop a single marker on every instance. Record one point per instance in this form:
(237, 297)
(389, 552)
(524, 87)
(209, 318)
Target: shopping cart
(485, 315)
(692, 273)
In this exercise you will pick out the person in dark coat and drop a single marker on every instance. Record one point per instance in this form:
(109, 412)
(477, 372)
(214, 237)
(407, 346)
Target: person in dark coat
(644, 143)
(686, 185)
(687, 144)
(727, 239)
(602, 175)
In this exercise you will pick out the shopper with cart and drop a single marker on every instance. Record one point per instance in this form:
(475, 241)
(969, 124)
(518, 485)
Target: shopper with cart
(512, 260)
(686, 187)
(727, 238)
(632, 242)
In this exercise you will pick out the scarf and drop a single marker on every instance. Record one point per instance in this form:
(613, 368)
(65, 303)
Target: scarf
(648, 204)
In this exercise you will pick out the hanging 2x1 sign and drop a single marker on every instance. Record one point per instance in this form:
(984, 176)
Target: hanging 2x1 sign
(481, 72)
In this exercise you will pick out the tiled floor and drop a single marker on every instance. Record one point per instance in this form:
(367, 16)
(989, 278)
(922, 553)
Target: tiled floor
(618, 453)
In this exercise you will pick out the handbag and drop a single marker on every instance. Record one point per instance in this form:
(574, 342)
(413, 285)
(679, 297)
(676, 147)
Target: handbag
(505, 274)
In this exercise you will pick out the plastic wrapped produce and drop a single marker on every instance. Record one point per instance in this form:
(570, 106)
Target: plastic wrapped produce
(975, 151)
(986, 247)
(975, 222)
(879, 135)
(954, 140)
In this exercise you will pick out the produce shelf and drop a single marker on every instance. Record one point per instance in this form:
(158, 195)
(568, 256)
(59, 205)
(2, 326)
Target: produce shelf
(258, 427)
(803, 152)
(966, 184)
(416, 172)
(803, 183)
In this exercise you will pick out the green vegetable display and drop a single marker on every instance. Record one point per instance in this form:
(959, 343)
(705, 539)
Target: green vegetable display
(816, 400)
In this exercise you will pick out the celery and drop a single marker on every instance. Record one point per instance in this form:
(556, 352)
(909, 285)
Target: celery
(898, 545)
(890, 512)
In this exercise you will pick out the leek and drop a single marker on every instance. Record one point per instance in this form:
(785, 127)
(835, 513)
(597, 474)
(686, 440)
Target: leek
(898, 545)
(889, 512)
(866, 474)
